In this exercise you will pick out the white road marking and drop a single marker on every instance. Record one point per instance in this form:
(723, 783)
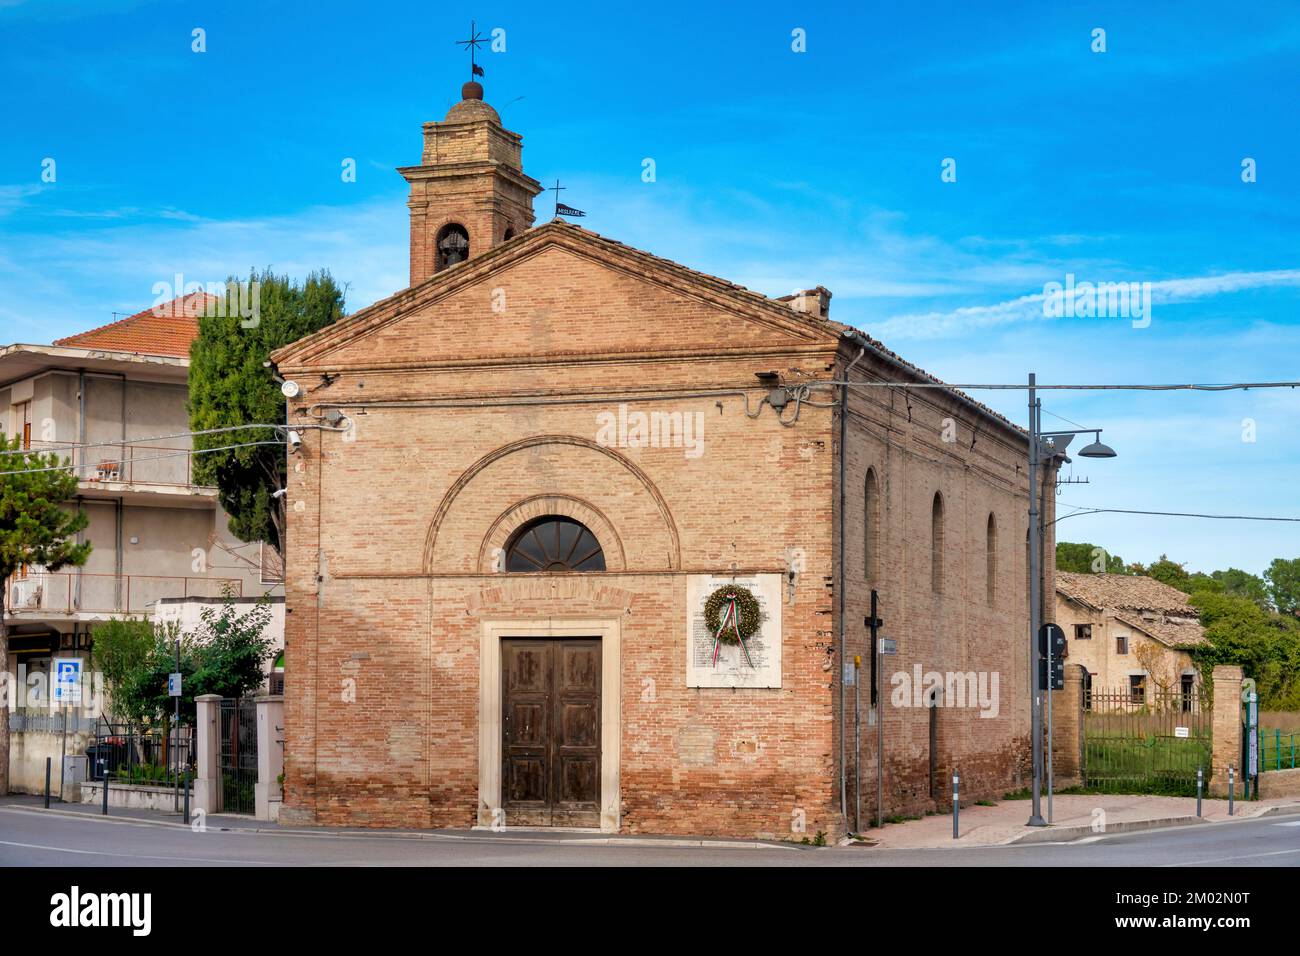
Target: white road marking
(1226, 859)
(1292, 823)
(132, 856)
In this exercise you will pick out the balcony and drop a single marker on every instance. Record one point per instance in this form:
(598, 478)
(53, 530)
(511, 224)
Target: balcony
(121, 465)
(63, 593)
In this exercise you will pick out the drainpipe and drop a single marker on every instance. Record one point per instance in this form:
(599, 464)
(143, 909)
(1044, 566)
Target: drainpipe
(842, 583)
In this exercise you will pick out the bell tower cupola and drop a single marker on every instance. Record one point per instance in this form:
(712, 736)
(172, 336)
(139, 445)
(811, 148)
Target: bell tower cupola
(469, 192)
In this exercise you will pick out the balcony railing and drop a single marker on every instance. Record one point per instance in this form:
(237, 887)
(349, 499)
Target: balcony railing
(126, 463)
(63, 592)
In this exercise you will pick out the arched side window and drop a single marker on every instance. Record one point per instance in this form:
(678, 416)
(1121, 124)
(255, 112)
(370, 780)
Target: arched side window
(509, 234)
(936, 544)
(452, 245)
(991, 558)
(554, 543)
(871, 526)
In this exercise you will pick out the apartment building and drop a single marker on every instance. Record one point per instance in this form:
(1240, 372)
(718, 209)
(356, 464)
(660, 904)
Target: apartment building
(113, 402)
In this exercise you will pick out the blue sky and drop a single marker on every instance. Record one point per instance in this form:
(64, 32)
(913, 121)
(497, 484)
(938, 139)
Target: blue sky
(774, 169)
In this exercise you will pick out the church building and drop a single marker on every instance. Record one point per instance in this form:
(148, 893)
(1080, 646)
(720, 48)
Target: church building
(579, 536)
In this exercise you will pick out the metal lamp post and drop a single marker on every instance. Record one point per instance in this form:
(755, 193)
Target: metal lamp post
(1049, 445)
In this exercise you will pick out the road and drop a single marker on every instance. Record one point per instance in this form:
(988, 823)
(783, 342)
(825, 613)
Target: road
(31, 837)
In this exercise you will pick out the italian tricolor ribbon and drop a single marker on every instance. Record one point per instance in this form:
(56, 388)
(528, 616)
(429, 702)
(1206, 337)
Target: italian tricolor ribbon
(730, 616)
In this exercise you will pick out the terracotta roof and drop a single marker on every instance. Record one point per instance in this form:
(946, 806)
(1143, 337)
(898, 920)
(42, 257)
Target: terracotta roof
(1133, 592)
(1169, 630)
(166, 329)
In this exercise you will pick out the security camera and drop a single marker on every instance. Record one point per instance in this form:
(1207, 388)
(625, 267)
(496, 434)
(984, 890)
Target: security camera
(295, 440)
(279, 494)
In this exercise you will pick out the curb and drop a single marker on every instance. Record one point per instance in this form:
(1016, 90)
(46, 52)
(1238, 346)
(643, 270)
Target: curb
(1051, 834)
(504, 837)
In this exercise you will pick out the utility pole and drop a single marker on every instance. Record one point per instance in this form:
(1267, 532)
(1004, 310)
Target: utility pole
(1035, 608)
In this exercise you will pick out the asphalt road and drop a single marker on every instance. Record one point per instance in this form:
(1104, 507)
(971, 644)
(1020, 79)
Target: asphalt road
(31, 837)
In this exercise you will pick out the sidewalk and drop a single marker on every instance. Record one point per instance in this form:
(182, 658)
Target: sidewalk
(1074, 817)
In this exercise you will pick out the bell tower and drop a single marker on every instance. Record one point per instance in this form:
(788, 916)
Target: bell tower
(469, 192)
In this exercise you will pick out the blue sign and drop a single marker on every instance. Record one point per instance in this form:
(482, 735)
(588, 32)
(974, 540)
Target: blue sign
(67, 680)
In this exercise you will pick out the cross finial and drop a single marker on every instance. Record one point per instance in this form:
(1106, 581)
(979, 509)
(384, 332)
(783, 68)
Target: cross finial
(472, 44)
(556, 189)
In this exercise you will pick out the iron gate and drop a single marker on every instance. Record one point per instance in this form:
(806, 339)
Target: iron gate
(1144, 739)
(238, 755)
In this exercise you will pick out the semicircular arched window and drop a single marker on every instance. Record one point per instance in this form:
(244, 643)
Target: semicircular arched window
(452, 245)
(554, 543)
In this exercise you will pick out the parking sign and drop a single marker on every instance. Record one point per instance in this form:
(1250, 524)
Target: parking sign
(67, 680)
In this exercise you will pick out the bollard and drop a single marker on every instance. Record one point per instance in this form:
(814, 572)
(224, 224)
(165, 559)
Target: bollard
(103, 779)
(956, 803)
(1232, 783)
(1199, 781)
(47, 782)
(187, 794)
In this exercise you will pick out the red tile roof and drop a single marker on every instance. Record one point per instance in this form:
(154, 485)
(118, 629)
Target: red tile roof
(166, 329)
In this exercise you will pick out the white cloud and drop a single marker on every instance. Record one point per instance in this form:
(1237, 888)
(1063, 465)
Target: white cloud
(1029, 308)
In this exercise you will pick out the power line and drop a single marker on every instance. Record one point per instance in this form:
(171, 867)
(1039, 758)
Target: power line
(51, 446)
(123, 461)
(1224, 387)
(1171, 514)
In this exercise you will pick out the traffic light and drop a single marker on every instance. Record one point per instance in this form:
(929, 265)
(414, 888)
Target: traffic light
(1050, 636)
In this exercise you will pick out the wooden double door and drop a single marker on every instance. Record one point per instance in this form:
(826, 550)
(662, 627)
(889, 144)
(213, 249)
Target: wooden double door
(550, 691)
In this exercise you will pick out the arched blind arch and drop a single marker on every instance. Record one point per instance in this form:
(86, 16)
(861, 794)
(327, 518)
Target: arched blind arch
(870, 525)
(554, 543)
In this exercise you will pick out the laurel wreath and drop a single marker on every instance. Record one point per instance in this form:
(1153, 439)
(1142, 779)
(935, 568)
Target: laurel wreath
(749, 614)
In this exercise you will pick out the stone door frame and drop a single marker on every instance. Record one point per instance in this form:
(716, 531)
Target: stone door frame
(609, 631)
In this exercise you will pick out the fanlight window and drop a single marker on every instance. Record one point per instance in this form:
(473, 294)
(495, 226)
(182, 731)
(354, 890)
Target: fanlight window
(453, 245)
(554, 543)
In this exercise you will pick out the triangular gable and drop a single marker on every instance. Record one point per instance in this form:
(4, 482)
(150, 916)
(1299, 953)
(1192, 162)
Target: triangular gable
(559, 291)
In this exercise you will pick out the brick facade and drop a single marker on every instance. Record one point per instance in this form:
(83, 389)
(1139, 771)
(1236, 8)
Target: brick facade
(474, 401)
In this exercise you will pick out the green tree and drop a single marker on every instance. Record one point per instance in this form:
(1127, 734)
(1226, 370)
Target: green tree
(1283, 577)
(230, 385)
(1169, 572)
(120, 648)
(1086, 558)
(1264, 644)
(36, 528)
(1240, 583)
(231, 649)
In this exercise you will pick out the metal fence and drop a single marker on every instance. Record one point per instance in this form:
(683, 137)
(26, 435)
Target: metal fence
(238, 755)
(132, 754)
(66, 592)
(1277, 751)
(1146, 740)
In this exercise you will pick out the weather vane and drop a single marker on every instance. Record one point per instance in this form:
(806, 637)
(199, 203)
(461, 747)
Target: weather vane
(560, 208)
(472, 44)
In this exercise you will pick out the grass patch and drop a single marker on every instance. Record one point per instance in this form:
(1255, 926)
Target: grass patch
(985, 803)
(1024, 793)
(900, 818)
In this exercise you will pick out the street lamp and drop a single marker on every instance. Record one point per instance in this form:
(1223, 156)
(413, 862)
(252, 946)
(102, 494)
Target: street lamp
(1044, 445)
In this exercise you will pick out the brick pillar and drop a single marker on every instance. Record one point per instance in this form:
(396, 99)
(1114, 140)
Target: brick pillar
(207, 784)
(1227, 727)
(270, 755)
(1067, 729)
